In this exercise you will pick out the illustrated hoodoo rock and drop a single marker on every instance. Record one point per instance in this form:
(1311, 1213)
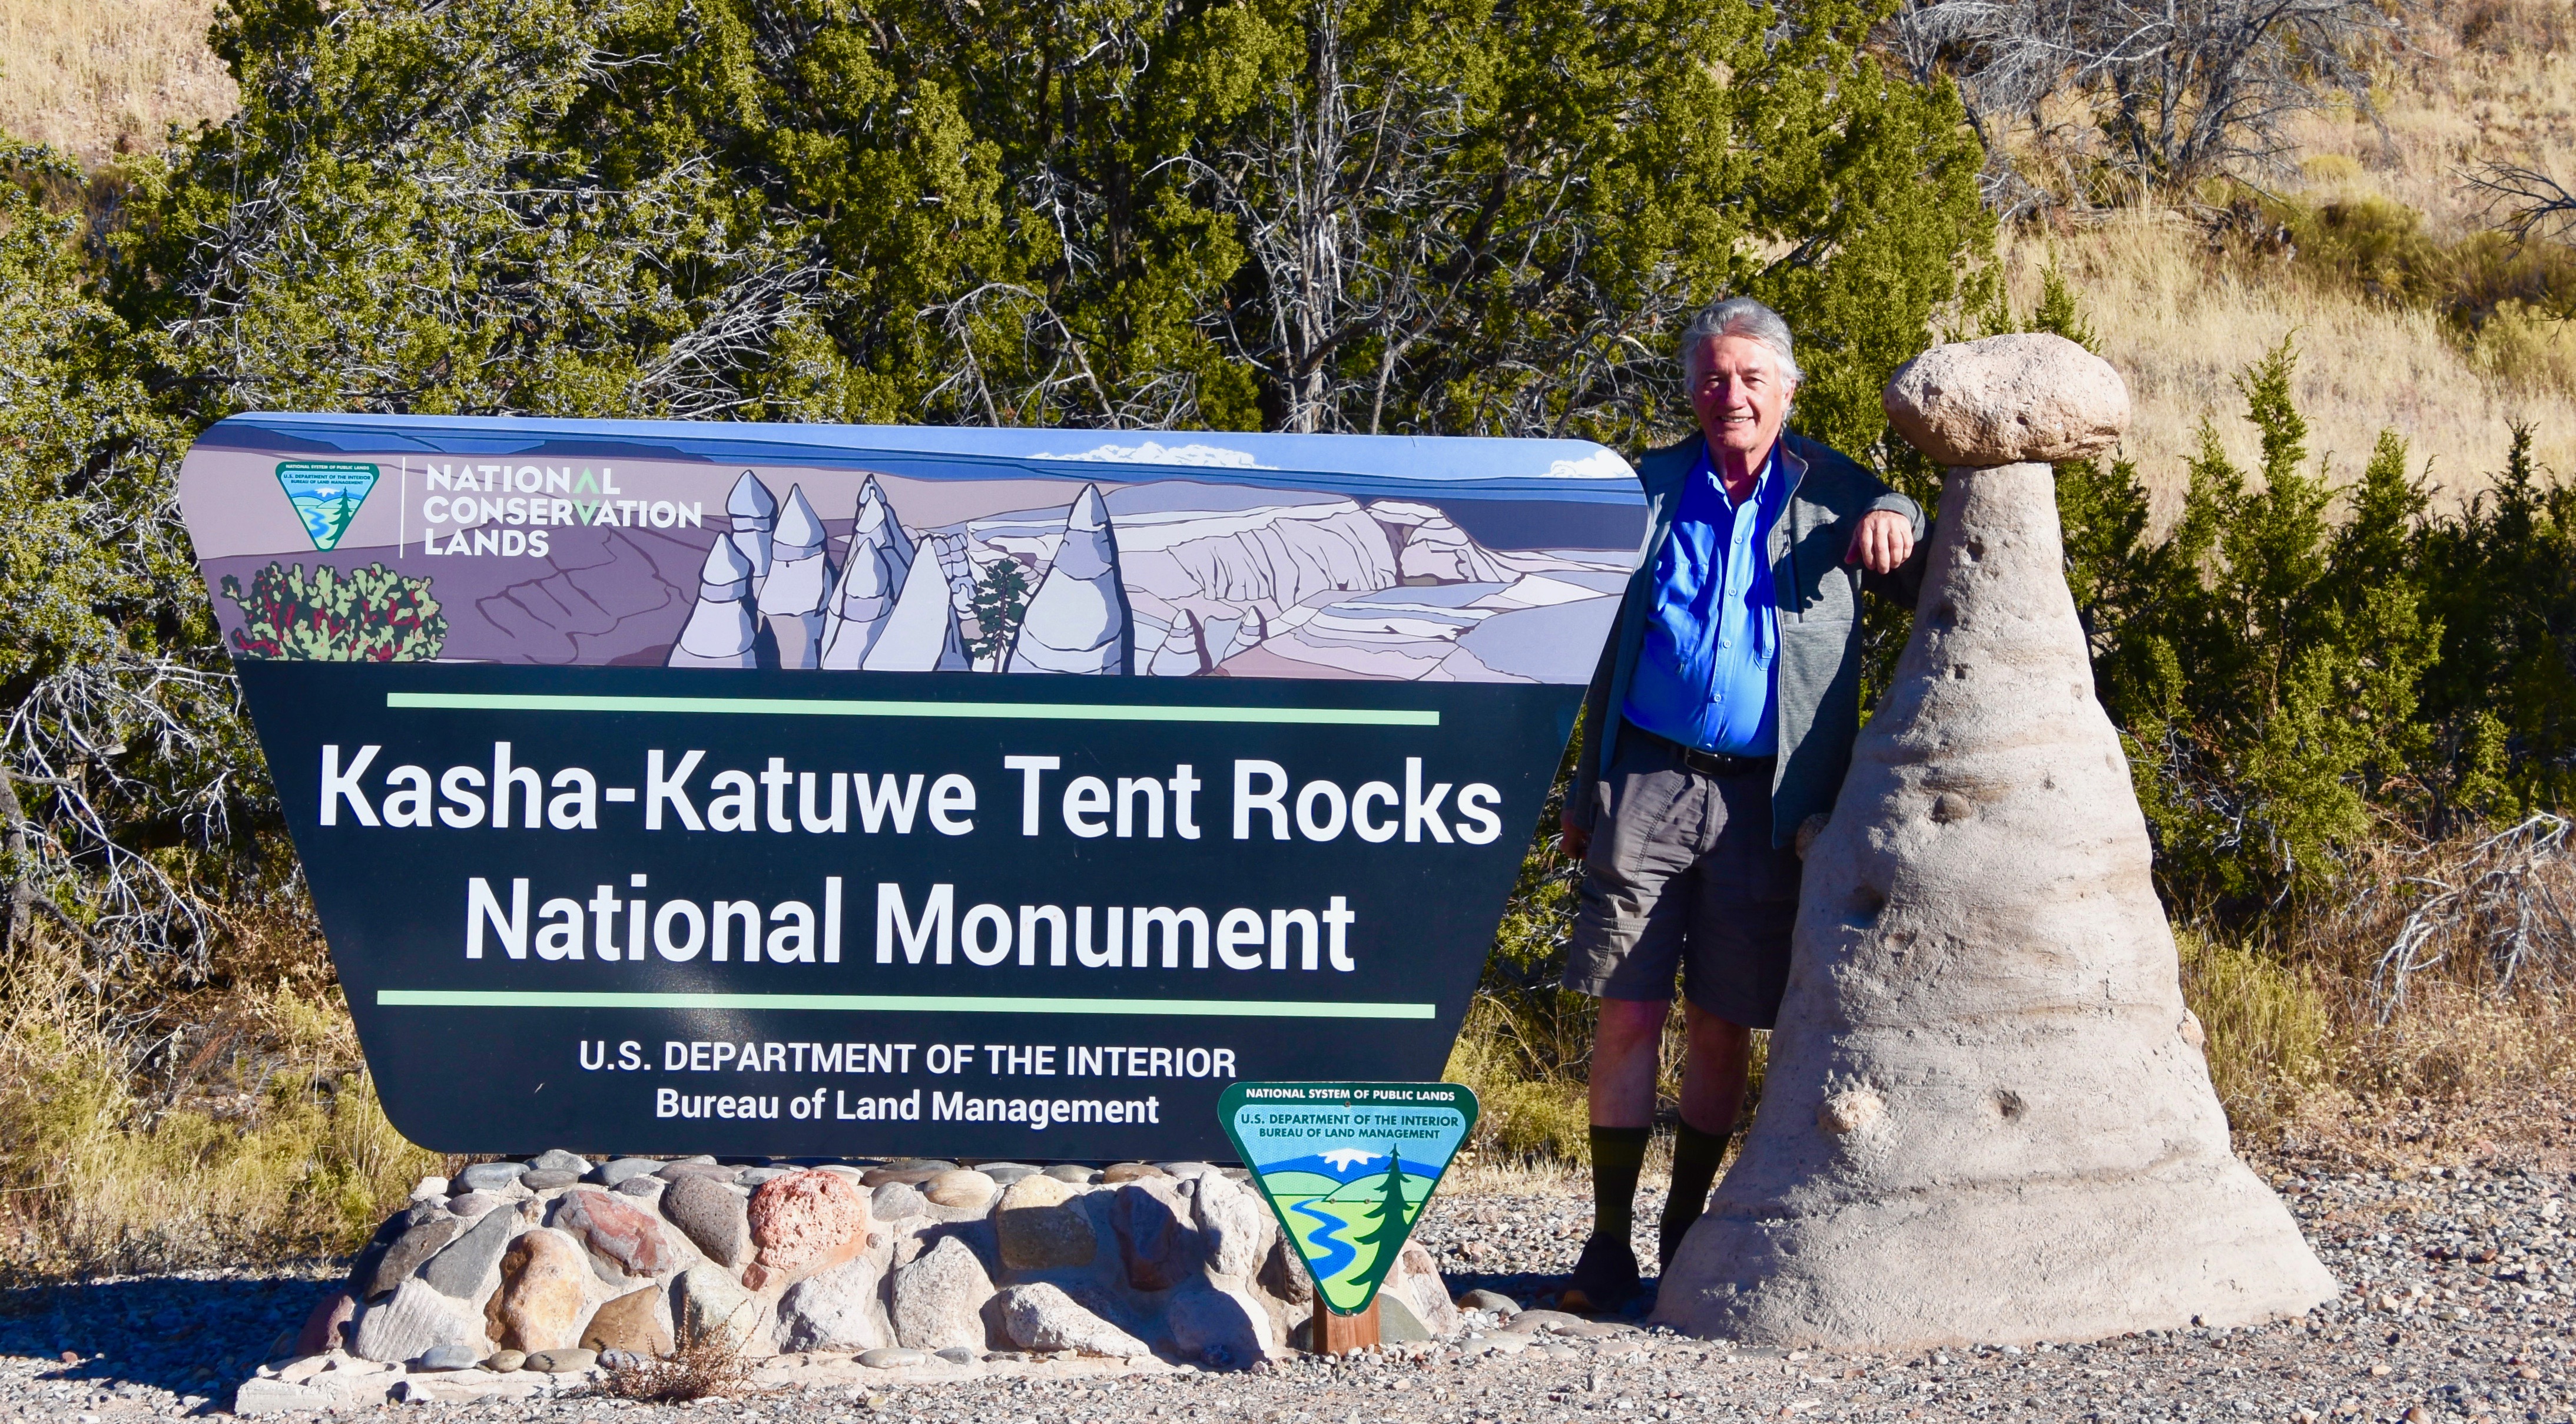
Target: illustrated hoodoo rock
(1986, 1116)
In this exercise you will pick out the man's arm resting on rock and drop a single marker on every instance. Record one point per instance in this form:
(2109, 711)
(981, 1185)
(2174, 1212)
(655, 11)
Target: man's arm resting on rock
(1897, 571)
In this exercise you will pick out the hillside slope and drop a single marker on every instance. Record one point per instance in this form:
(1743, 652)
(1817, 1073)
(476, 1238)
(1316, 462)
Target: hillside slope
(89, 76)
(2483, 80)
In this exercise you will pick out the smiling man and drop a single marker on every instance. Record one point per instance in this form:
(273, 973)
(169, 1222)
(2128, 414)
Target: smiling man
(1721, 718)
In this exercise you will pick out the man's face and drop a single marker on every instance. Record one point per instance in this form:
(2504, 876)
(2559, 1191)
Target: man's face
(1738, 393)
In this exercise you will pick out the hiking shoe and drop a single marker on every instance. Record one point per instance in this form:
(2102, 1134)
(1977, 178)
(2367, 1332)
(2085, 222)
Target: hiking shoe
(1604, 1279)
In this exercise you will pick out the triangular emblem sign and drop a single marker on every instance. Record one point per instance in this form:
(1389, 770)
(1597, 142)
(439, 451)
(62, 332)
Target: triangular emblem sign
(1347, 1168)
(326, 496)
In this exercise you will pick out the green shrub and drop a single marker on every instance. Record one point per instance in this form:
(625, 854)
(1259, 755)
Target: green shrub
(2505, 301)
(372, 615)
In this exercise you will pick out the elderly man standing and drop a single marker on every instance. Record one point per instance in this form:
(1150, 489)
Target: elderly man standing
(1722, 717)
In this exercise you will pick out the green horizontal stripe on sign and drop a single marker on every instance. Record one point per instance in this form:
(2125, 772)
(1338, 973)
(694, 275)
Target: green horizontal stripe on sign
(850, 707)
(893, 1003)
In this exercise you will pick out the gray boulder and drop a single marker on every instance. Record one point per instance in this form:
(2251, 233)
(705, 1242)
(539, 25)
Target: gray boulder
(894, 1201)
(939, 1299)
(609, 1174)
(1042, 1317)
(470, 1265)
(712, 1215)
(412, 1320)
(708, 1303)
(2029, 396)
(836, 1309)
(407, 1252)
(1157, 1240)
(486, 1177)
(1236, 1223)
(1218, 1326)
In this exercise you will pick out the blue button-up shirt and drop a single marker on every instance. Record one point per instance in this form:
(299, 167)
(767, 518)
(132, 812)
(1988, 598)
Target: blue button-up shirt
(1704, 676)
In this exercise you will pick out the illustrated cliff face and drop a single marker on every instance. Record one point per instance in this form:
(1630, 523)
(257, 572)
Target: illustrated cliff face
(1986, 1117)
(1287, 585)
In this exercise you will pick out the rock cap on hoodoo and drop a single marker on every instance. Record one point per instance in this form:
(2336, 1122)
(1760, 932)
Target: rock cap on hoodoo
(2032, 396)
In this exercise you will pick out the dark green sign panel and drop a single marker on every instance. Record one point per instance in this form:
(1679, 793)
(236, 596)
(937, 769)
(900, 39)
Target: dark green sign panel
(1347, 1167)
(817, 790)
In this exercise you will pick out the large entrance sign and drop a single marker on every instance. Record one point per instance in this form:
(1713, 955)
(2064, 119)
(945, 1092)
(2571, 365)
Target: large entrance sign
(669, 786)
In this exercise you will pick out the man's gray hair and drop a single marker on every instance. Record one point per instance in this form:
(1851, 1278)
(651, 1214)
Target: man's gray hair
(1745, 317)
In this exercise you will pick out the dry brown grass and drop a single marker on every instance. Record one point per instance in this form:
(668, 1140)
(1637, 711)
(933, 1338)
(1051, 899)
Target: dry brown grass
(2318, 1053)
(156, 1126)
(2181, 322)
(2482, 81)
(92, 77)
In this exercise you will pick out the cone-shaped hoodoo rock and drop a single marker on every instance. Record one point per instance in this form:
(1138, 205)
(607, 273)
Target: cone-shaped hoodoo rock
(720, 631)
(800, 579)
(753, 512)
(872, 575)
(1986, 1115)
(1078, 620)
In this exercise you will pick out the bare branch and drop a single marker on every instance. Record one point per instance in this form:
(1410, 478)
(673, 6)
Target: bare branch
(2534, 204)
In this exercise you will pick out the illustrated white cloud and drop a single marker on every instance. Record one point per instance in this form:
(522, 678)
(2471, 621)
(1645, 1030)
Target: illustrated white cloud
(1155, 453)
(1599, 465)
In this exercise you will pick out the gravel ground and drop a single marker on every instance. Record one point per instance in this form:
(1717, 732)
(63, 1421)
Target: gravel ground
(2457, 1308)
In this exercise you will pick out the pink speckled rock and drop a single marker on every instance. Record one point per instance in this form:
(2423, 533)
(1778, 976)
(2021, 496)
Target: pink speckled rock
(615, 1232)
(802, 1223)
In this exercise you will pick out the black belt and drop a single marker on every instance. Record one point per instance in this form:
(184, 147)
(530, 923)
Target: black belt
(1710, 763)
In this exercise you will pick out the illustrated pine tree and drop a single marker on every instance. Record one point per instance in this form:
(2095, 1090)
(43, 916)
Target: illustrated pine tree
(1384, 1238)
(1001, 600)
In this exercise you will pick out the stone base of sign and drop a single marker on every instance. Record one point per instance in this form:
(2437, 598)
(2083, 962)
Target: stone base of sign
(527, 1274)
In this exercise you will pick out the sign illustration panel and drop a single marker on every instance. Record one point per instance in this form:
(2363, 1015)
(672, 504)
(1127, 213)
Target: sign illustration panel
(674, 786)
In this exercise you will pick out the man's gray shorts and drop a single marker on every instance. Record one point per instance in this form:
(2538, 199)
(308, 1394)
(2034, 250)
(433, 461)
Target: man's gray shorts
(1682, 878)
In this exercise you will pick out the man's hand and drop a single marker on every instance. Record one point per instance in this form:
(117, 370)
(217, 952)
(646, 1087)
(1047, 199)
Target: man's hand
(1884, 541)
(1572, 839)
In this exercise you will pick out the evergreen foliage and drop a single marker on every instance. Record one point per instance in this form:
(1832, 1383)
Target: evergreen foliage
(1427, 216)
(372, 615)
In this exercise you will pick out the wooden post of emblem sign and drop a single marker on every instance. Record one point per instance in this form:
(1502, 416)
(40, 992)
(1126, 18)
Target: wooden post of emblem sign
(1342, 1334)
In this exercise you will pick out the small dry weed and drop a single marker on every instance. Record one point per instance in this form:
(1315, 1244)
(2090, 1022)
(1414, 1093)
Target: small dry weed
(709, 1365)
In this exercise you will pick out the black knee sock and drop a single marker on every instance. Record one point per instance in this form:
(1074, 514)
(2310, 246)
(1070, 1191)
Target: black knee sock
(1696, 1156)
(1618, 1154)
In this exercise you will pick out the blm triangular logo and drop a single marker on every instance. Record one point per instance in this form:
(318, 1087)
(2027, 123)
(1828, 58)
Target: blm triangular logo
(326, 497)
(1347, 1168)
